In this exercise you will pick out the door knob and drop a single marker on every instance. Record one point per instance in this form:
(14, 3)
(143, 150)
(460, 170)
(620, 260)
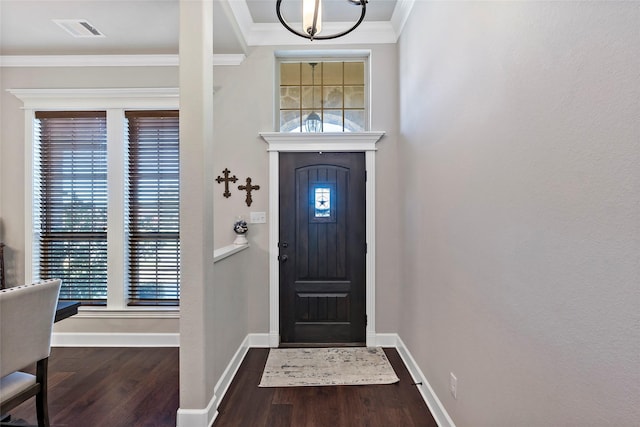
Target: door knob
(283, 258)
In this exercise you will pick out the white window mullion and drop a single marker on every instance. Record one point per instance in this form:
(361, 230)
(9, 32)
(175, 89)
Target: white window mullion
(31, 250)
(116, 238)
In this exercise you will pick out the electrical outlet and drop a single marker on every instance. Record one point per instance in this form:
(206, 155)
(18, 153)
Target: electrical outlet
(453, 385)
(258, 217)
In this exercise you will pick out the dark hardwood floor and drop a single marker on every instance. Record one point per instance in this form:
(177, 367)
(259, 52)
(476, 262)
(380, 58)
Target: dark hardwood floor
(395, 405)
(138, 387)
(110, 387)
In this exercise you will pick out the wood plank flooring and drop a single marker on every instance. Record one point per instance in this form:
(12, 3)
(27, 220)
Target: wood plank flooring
(138, 387)
(245, 404)
(110, 387)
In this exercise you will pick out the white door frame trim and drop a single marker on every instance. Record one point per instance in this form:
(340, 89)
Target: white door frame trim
(321, 142)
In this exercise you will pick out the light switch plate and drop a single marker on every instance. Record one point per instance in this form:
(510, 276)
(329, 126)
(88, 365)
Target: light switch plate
(258, 217)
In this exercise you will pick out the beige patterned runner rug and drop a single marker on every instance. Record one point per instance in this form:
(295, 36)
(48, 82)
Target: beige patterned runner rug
(293, 367)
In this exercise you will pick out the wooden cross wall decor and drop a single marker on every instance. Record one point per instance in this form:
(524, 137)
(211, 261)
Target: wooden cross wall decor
(248, 188)
(226, 181)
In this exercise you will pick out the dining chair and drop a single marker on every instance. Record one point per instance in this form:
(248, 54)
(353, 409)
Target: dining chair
(26, 320)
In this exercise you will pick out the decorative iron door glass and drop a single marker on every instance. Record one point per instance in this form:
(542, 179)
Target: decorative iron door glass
(322, 96)
(323, 203)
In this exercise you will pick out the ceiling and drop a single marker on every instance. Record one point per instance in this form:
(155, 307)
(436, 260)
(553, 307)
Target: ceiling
(151, 27)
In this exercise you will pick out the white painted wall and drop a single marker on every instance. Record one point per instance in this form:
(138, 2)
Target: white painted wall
(520, 148)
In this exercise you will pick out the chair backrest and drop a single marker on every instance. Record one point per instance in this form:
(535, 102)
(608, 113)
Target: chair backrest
(26, 319)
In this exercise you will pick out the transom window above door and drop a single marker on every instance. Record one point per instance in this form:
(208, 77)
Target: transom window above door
(323, 96)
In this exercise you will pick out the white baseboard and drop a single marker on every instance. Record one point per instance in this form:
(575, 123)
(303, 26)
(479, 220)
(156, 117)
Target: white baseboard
(206, 417)
(259, 340)
(250, 341)
(274, 339)
(230, 371)
(372, 339)
(197, 417)
(431, 399)
(386, 340)
(75, 339)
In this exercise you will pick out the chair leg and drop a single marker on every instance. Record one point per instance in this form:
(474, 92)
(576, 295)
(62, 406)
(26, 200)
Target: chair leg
(42, 406)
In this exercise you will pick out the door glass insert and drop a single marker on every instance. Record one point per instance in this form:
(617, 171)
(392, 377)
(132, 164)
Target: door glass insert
(323, 202)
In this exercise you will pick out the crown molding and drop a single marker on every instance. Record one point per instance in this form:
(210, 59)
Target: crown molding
(98, 98)
(108, 60)
(228, 59)
(400, 15)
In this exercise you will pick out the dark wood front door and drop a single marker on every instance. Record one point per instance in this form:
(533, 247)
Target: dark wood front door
(322, 247)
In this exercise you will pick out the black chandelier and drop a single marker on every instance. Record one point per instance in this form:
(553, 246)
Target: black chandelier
(312, 19)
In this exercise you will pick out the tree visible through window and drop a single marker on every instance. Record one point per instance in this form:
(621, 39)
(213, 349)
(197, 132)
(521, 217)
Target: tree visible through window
(154, 207)
(76, 195)
(71, 216)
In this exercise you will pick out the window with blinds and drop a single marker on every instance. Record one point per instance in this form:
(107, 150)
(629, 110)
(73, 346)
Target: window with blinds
(71, 210)
(153, 208)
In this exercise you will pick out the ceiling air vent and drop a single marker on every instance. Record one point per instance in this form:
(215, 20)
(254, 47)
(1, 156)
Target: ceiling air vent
(78, 27)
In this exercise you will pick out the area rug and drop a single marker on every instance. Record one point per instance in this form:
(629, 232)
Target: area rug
(294, 367)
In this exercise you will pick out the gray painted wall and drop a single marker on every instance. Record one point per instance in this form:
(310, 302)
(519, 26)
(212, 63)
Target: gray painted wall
(243, 107)
(520, 149)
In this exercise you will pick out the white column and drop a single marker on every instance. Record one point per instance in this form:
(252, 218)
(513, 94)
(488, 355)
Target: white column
(196, 213)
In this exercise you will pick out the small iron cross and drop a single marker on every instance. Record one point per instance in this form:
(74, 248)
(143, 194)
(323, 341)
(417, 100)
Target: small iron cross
(248, 188)
(226, 181)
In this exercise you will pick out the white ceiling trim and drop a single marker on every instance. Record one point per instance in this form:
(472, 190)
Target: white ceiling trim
(262, 34)
(230, 15)
(228, 59)
(400, 15)
(108, 60)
